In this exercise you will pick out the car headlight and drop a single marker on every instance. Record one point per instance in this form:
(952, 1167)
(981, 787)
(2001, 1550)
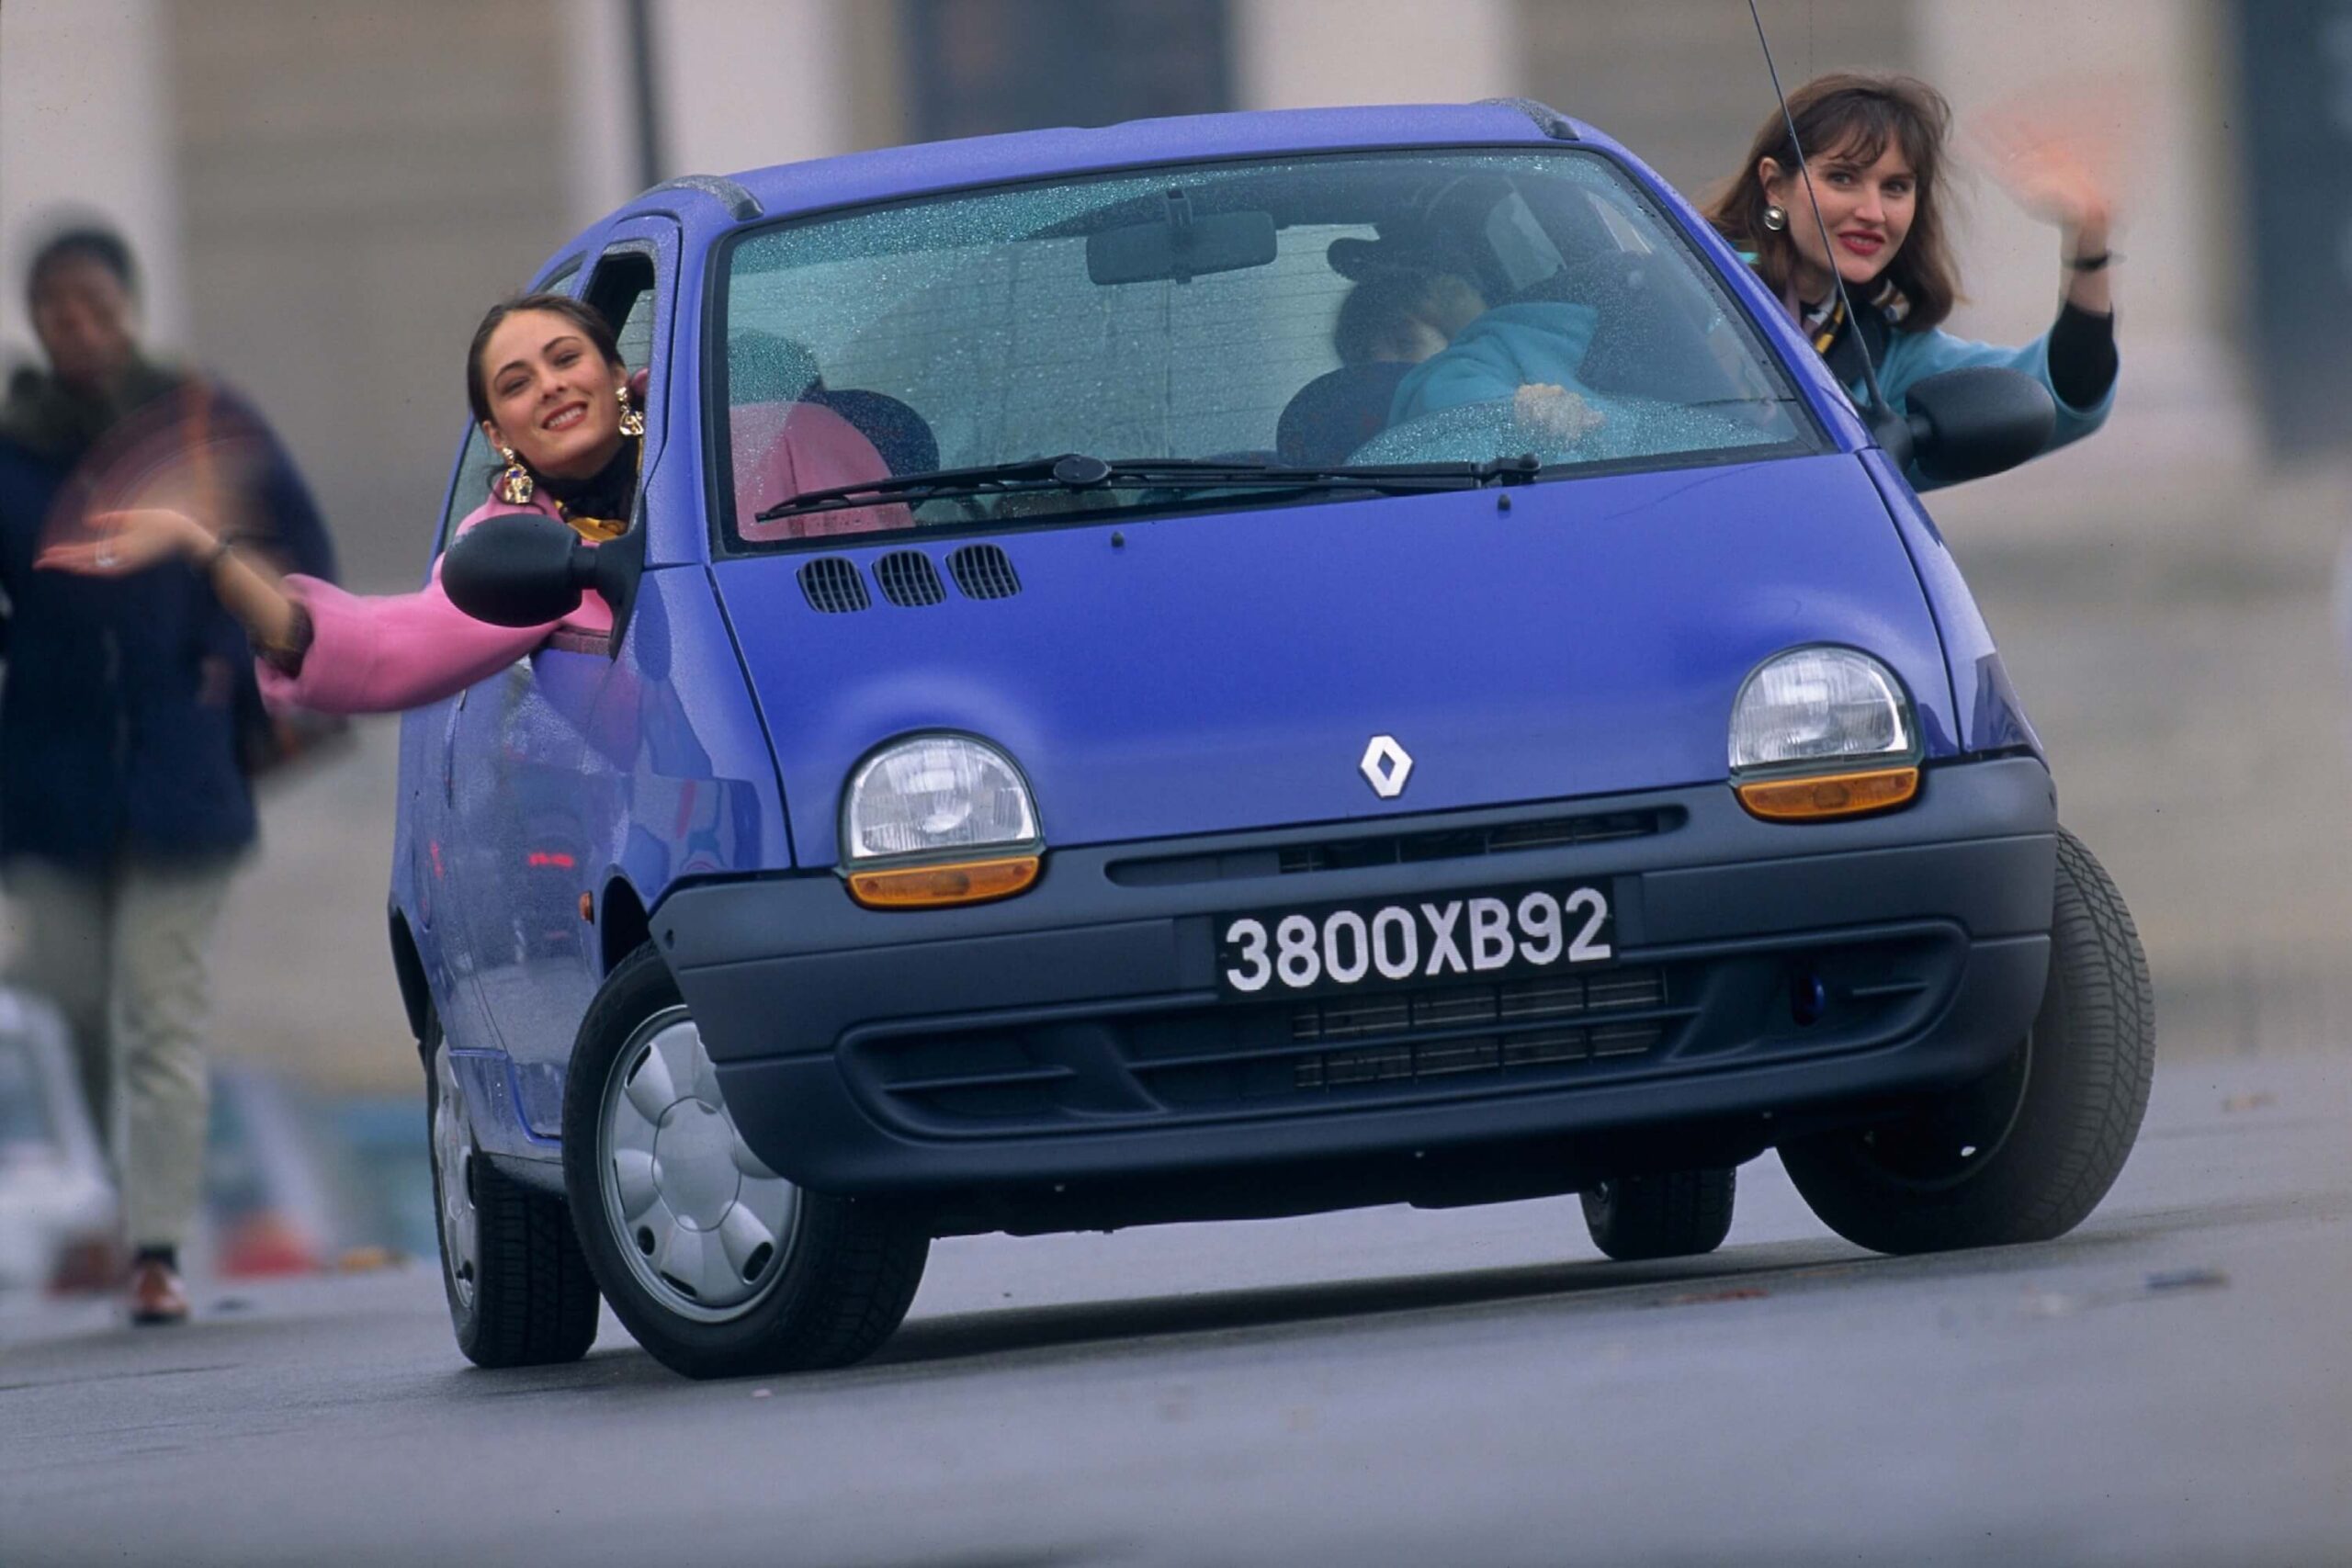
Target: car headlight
(1823, 732)
(938, 819)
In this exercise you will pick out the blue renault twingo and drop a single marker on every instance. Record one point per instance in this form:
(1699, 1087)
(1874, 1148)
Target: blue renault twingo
(1073, 752)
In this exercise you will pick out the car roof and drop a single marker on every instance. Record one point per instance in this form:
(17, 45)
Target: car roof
(857, 178)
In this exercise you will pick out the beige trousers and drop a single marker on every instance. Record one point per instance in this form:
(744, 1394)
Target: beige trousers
(122, 954)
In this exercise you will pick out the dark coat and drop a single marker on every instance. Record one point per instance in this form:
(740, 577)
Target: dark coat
(120, 701)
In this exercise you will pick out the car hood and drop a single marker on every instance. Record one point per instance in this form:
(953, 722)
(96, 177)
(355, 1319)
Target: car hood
(1227, 670)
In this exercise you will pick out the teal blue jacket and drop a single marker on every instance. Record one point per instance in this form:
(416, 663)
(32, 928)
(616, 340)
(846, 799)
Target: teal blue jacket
(1509, 347)
(1911, 357)
(1515, 345)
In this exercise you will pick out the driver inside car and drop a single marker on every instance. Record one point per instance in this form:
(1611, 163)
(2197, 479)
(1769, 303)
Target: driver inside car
(1526, 351)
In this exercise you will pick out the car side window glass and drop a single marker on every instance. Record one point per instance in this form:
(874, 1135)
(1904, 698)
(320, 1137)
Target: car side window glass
(623, 289)
(635, 334)
(475, 467)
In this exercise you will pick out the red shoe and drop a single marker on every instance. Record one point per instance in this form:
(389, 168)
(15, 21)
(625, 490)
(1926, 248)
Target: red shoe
(157, 1295)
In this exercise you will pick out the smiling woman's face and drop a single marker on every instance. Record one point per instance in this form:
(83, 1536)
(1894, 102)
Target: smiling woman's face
(1867, 208)
(552, 397)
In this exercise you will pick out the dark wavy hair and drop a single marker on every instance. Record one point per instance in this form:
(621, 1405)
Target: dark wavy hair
(591, 322)
(1850, 116)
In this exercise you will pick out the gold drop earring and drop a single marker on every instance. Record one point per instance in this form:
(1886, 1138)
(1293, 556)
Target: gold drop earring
(514, 483)
(632, 422)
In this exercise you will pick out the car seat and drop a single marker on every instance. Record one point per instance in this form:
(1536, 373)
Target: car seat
(1650, 340)
(782, 450)
(901, 435)
(1336, 412)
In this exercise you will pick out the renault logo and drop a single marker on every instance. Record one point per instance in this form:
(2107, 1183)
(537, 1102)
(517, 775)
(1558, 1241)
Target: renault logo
(1386, 767)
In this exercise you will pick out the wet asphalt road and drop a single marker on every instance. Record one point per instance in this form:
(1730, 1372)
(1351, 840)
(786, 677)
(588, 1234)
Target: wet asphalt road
(2170, 1384)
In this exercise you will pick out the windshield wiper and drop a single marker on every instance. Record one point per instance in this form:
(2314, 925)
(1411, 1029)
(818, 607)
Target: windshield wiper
(1077, 472)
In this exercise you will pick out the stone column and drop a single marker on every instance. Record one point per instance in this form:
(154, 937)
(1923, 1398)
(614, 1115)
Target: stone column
(600, 109)
(85, 124)
(744, 83)
(1304, 53)
(2158, 71)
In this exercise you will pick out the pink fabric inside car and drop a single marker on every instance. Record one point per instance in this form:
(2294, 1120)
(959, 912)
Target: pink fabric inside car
(787, 449)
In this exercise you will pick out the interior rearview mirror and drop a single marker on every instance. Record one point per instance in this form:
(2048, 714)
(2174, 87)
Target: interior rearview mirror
(1179, 246)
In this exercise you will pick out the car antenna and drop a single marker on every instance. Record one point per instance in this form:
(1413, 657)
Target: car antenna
(1888, 428)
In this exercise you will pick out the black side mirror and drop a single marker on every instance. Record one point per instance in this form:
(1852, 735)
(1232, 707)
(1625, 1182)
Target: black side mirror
(521, 570)
(1964, 424)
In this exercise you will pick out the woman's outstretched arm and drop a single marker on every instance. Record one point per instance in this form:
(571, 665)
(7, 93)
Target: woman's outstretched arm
(321, 648)
(125, 542)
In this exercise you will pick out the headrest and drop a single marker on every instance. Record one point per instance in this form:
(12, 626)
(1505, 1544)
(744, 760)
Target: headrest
(900, 434)
(1336, 412)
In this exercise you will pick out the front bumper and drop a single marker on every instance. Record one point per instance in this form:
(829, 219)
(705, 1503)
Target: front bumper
(1074, 1037)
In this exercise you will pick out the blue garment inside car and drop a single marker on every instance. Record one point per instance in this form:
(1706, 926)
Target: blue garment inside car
(1510, 346)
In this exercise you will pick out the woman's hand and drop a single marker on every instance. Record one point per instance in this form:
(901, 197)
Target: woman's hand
(2053, 176)
(2060, 166)
(120, 543)
(133, 541)
(1550, 410)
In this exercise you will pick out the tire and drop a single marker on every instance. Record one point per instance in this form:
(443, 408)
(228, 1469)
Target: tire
(1683, 1213)
(2027, 1152)
(519, 1291)
(717, 1265)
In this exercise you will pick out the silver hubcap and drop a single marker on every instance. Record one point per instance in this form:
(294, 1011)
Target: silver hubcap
(453, 1153)
(703, 1226)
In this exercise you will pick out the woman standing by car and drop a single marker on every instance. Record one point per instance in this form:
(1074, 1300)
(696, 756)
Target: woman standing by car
(1877, 150)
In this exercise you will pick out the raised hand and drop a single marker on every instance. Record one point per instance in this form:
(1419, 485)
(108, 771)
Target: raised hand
(2059, 163)
(116, 544)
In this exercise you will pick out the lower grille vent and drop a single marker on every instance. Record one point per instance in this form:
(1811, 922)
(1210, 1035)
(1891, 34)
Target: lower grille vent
(1535, 1023)
(1395, 848)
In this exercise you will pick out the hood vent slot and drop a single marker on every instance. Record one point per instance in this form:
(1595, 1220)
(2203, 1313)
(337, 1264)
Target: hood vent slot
(833, 585)
(983, 572)
(909, 580)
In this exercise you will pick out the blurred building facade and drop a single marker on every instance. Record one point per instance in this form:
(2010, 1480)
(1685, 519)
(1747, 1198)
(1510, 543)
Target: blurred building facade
(325, 196)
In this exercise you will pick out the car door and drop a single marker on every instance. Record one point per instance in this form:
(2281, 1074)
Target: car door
(542, 758)
(429, 855)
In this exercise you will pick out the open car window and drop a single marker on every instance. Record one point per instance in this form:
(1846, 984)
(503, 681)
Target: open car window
(1391, 308)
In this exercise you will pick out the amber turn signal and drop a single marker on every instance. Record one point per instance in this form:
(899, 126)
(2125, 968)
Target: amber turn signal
(1830, 794)
(936, 886)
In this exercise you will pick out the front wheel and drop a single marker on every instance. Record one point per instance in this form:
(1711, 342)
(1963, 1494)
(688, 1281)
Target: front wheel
(720, 1266)
(1680, 1213)
(2027, 1152)
(518, 1290)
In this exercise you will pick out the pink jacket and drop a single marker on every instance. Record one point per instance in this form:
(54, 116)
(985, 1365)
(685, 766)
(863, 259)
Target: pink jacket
(384, 653)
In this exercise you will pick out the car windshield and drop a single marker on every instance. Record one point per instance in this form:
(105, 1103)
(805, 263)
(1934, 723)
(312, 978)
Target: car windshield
(1276, 325)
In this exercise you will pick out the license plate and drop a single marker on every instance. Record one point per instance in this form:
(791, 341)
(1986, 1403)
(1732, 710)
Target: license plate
(1473, 936)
